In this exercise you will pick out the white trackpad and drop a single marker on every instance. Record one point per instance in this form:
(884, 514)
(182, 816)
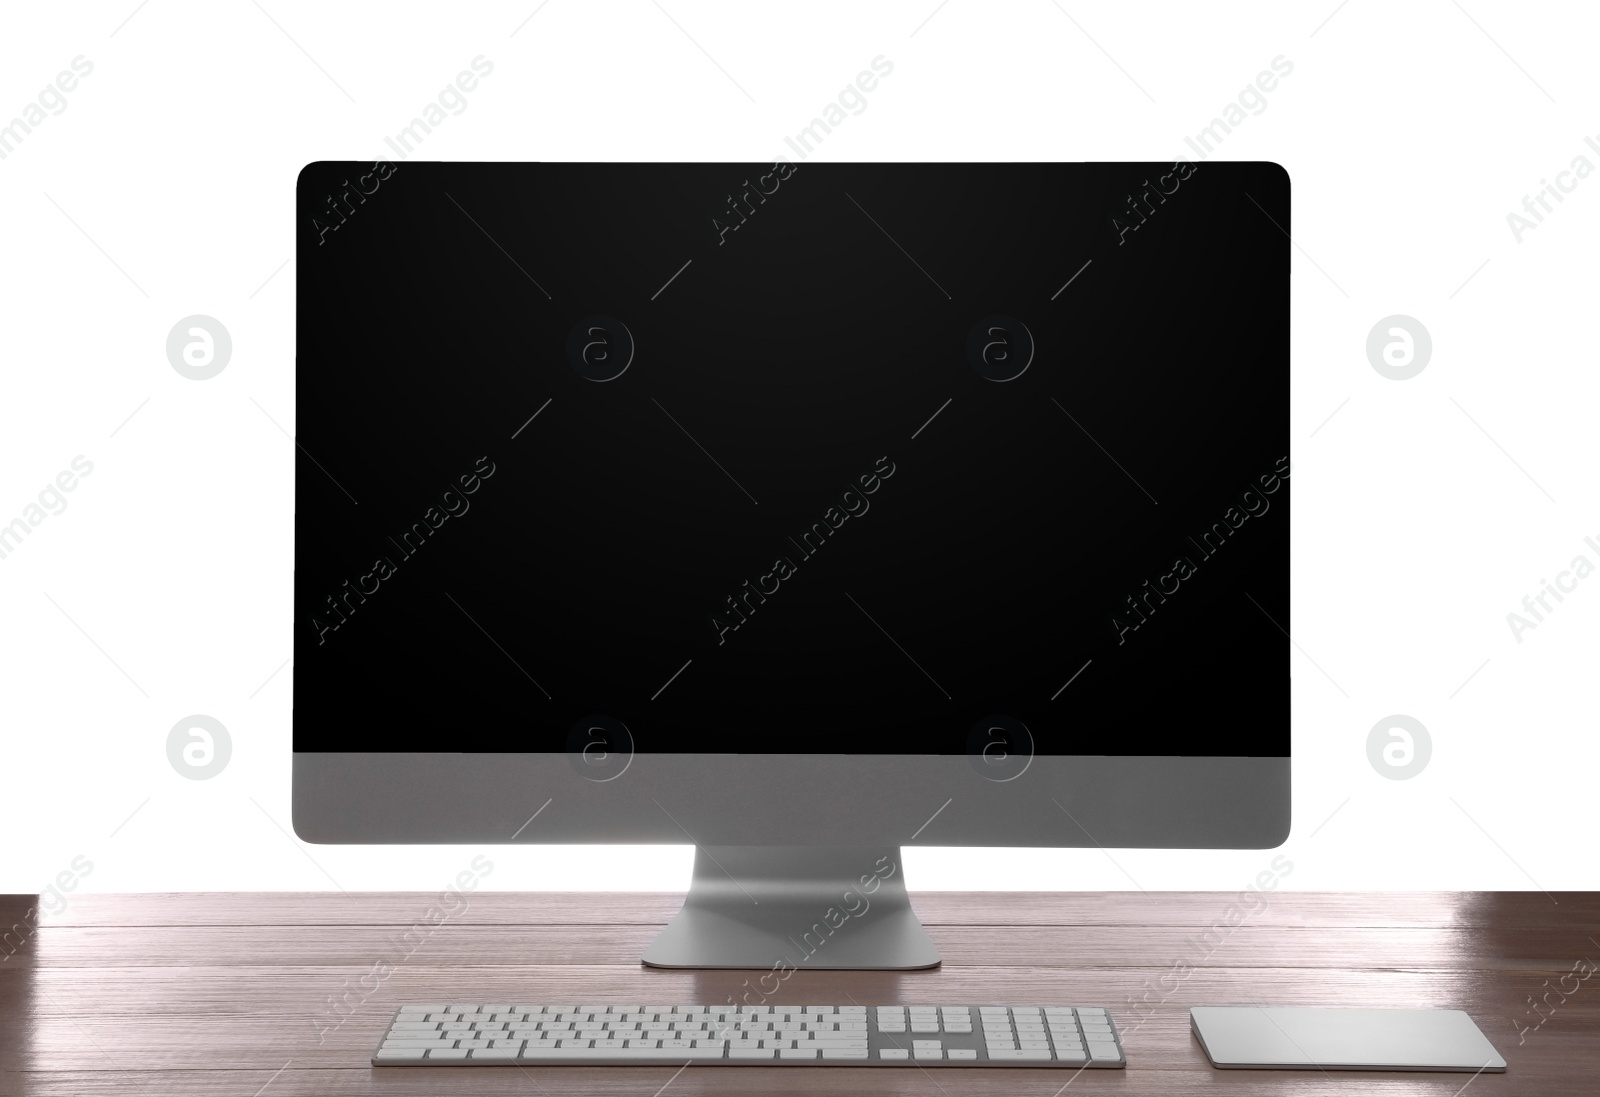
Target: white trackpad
(1274, 1038)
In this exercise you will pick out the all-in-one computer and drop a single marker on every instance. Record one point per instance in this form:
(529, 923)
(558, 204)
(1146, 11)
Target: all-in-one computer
(799, 511)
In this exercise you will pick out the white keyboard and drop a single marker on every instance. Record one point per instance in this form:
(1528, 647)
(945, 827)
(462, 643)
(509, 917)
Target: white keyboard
(474, 1034)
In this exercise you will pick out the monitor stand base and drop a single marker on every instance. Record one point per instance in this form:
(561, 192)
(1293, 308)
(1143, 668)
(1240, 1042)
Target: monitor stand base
(771, 907)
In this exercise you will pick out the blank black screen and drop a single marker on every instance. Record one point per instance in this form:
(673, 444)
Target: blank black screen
(804, 428)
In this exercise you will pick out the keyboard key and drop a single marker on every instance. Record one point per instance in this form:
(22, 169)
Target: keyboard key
(844, 1053)
(962, 1053)
(892, 1053)
(751, 1053)
(599, 1055)
(1021, 1053)
(798, 1053)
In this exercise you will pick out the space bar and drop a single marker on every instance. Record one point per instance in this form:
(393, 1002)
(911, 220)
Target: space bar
(558, 1054)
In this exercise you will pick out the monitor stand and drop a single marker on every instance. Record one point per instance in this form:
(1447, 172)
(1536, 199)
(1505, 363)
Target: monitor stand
(768, 907)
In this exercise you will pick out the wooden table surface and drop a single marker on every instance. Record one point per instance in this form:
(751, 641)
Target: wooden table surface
(262, 993)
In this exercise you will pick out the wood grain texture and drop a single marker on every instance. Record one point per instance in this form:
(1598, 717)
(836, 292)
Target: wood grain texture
(213, 994)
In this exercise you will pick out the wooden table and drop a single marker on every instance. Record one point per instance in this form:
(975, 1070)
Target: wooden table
(168, 995)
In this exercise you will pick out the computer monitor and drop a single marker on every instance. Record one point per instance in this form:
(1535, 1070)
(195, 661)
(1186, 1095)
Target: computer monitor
(798, 511)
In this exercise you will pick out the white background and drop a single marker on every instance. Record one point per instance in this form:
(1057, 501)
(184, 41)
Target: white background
(1424, 510)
